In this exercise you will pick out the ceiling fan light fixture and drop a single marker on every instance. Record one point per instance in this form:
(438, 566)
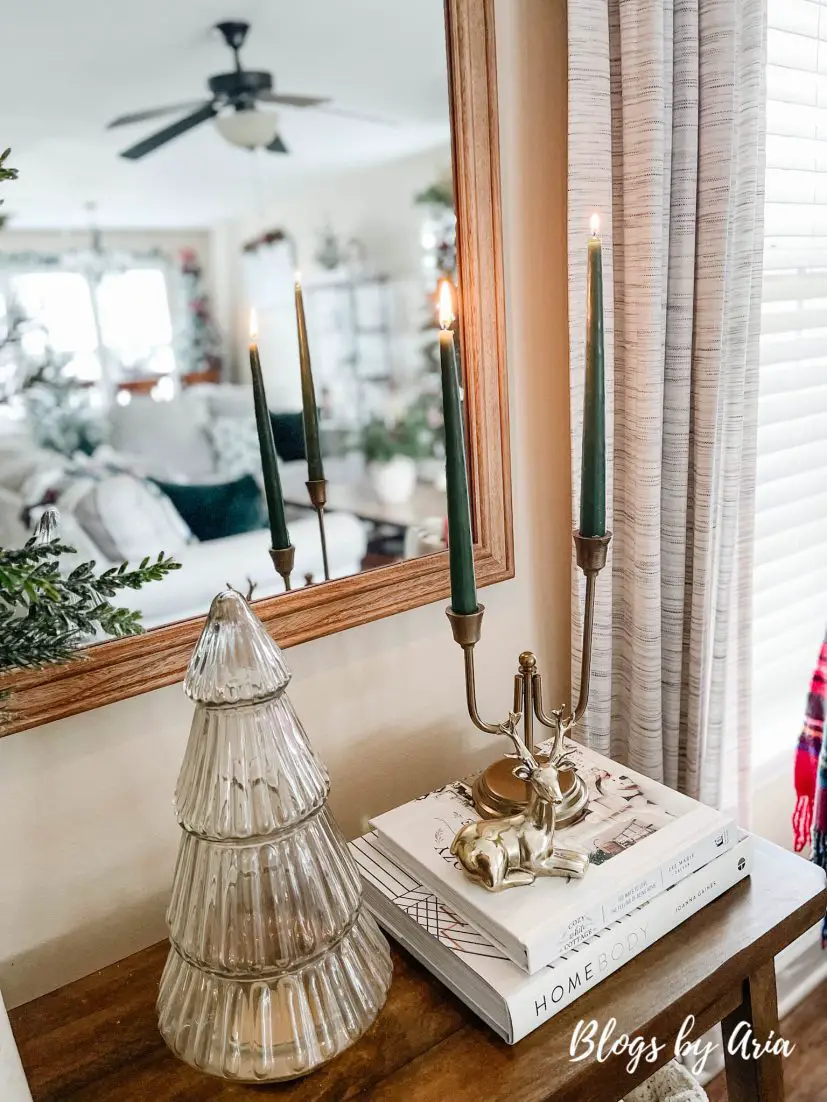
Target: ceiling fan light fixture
(247, 127)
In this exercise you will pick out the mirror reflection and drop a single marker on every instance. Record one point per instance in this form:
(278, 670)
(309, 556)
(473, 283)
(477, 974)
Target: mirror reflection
(176, 171)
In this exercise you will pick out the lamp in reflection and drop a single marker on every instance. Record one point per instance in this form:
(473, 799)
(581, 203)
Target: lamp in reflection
(247, 128)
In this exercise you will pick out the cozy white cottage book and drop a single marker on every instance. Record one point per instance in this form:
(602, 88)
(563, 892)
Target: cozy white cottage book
(507, 999)
(641, 837)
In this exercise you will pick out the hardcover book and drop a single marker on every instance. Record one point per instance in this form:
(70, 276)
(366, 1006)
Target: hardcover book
(478, 972)
(641, 838)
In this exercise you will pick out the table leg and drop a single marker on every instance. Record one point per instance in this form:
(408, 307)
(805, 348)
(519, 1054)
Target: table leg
(751, 1077)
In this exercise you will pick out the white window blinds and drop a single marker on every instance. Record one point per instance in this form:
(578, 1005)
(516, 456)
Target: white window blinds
(791, 521)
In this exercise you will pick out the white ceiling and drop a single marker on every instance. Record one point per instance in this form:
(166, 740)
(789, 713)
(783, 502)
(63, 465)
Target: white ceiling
(67, 68)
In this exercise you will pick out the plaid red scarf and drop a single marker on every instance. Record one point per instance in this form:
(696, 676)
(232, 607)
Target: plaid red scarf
(810, 816)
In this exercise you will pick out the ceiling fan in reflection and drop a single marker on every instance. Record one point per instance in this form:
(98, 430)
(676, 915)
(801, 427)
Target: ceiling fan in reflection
(233, 106)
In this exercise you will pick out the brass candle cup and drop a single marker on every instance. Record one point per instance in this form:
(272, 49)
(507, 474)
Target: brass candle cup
(466, 626)
(283, 560)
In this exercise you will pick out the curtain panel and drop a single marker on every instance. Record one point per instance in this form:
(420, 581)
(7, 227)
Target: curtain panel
(666, 142)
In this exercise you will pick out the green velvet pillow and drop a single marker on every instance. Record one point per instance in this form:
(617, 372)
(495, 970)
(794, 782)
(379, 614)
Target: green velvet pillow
(213, 510)
(288, 435)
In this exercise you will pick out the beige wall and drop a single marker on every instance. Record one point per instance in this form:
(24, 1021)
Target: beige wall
(87, 838)
(773, 796)
(170, 242)
(374, 205)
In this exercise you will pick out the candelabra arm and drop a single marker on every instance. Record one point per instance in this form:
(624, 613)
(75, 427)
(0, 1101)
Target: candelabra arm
(467, 629)
(471, 695)
(591, 553)
(591, 558)
(585, 653)
(518, 692)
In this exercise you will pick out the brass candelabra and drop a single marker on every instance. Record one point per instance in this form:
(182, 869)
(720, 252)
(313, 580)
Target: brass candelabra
(497, 792)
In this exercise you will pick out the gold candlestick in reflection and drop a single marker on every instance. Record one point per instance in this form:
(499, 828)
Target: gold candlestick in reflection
(317, 489)
(282, 551)
(316, 481)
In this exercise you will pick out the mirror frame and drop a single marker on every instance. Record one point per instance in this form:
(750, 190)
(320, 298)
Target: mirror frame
(122, 668)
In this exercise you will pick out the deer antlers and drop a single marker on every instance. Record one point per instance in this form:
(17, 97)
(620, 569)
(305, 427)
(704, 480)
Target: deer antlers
(509, 729)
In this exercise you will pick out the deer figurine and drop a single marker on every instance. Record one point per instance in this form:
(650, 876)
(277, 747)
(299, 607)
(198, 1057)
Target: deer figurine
(511, 852)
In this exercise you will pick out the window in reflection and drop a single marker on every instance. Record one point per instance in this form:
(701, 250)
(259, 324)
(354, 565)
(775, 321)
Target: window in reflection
(134, 319)
(60, 306)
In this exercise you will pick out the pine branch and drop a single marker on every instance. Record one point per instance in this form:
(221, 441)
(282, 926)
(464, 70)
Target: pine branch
(6, 173)
(45, 616)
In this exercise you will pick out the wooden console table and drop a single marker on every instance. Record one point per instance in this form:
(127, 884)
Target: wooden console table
(96, 1040)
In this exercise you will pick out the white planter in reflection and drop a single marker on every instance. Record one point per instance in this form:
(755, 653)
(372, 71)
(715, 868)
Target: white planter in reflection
(432, 470)
(393, 482)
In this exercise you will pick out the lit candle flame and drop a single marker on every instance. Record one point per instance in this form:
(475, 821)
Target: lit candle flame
(253, 325)
(595, 224)
(446, 305)
(297, 278)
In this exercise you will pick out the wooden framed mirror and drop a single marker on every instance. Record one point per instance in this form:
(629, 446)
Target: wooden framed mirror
(114, 670)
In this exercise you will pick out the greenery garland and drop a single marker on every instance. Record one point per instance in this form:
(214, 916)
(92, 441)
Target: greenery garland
(45, 616)
(6, 173)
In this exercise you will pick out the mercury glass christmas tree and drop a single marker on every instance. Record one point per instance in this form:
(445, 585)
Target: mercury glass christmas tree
(275, 966)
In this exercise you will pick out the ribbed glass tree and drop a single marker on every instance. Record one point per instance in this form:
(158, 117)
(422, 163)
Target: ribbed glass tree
(274, 966)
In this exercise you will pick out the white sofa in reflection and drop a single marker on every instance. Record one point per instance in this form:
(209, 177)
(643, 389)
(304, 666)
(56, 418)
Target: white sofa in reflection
(117, 516)
(206, 568)
(173, 439)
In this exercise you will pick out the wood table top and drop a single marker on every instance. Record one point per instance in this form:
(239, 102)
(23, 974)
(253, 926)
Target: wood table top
(96, 1040)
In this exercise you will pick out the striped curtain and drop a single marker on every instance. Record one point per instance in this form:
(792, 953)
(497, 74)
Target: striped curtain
(666, 142)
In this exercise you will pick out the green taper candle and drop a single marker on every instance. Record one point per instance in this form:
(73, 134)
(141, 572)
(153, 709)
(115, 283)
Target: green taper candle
(460, 538)
(310, 412)
(279, 535)
(593, 471)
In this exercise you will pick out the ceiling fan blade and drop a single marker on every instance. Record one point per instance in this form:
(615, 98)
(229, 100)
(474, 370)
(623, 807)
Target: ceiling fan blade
(268, 96)
(277, 146)
(381, 120)
(322, 103)
(207, 111)
(153, 113)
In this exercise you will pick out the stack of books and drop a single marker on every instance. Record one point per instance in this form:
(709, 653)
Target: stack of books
(519, 956)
